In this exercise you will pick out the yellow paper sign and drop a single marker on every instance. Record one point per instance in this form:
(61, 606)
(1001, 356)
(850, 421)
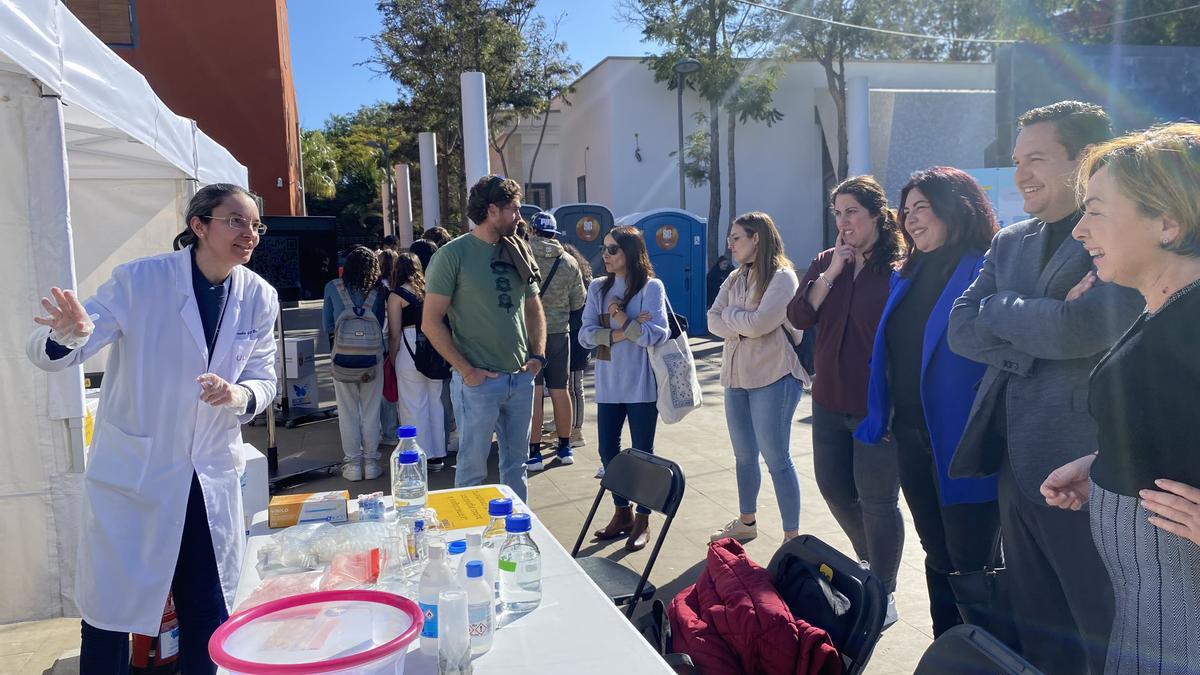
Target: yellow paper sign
(462, 509)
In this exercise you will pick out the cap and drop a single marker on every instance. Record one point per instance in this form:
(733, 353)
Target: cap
(518, 522)
(474, 539)
(457, 546)
(499, 507)
(406, 432)
(474, 569)
(409, 457)
(545, 224)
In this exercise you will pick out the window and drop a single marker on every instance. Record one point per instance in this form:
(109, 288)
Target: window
(540, 195)
(110, 20)
(581, 189)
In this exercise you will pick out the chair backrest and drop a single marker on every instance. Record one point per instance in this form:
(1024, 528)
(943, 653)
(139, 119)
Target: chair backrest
(646, 480)
(856, 632)
(971, 650)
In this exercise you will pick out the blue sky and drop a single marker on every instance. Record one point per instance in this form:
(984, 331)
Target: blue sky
(326, 44)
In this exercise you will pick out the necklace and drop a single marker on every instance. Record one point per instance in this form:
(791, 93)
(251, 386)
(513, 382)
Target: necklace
(1175, 296)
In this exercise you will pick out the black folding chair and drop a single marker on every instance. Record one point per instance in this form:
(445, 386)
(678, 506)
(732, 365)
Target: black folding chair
(970, 650)
(854, 633)
(649, 481)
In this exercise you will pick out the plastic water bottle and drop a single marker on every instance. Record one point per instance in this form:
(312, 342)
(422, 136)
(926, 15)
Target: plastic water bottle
(475, 552)
(494, 536)
(409, 489)
(436, 577)
(520, 567)
(481, 608)
(407, 437)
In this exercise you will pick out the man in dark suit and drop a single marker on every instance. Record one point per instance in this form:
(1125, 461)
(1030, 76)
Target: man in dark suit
(1040, 320)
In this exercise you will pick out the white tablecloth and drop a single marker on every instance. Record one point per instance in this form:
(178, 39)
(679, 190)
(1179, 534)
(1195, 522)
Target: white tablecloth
(577, 629)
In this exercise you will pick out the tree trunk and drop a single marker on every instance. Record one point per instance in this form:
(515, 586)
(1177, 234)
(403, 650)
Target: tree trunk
(714, 151)
(731, 159)
(836, 79)
(541, 136)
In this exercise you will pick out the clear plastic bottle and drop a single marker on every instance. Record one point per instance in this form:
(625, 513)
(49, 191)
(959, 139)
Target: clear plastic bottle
(494, 535)
(409, 489)
(520, 566)
(406, 437)
(454, 555)
(475, 552)
(481, 607)
(436, 577)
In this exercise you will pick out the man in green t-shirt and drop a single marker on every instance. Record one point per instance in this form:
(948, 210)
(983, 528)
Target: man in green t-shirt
(487, 283)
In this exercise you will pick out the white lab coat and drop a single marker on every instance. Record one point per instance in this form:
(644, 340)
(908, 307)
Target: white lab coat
(153, 432)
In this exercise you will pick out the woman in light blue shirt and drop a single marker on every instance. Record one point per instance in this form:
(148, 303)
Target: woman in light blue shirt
(625, 314)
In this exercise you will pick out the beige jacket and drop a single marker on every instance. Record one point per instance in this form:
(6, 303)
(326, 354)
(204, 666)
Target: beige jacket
(757, 347)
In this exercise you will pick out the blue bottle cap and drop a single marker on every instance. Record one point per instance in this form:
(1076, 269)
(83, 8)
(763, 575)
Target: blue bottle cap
(456, 547)
(499, 507)
(418, 525)
(474, 569)
(406, 432)
(409, 457)
(518, 522)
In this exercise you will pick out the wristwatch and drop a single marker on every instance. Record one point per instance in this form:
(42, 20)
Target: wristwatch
(539, 358)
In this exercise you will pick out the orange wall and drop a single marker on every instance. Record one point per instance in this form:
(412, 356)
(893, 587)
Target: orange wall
(227, 64)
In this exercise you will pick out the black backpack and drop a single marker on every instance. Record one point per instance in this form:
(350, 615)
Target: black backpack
(427, 359)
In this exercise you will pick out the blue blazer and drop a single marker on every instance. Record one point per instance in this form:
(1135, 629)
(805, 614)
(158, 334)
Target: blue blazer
(947, 385)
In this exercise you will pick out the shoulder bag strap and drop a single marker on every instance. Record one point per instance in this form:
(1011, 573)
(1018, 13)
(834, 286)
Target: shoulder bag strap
(553, 269)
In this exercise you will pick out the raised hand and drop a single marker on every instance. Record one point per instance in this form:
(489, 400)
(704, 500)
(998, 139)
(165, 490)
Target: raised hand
(70, 325)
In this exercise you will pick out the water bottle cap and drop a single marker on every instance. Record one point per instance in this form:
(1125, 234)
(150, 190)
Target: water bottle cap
(419, 525)
(474, 569)
(406, 432)
(456, 547)
(500, 507)
(436, 549)
(474, 539)
(518, 522)
(409, 457)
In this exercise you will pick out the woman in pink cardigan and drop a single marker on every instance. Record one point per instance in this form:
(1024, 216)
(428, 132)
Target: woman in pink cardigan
(760, 371)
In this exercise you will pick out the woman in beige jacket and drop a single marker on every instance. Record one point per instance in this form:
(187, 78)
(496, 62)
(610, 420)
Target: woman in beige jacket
(760, 371)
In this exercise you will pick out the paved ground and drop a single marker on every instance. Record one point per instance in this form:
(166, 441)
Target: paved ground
(561, 497)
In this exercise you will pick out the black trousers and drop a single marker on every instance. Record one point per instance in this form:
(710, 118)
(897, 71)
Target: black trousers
(955, 537)
(1061, 595)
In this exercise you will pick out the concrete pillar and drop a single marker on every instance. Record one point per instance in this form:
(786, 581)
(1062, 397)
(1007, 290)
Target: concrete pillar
(476, 160)
(385, 198)
(403, 206)
(858, 125)
(431, 210)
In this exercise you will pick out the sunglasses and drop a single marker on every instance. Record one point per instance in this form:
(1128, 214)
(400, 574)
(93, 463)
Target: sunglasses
(611, 249)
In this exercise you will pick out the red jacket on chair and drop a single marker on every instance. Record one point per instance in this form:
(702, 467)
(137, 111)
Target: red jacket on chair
(732, 620)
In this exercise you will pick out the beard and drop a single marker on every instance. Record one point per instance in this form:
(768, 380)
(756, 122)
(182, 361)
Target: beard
(507, 229)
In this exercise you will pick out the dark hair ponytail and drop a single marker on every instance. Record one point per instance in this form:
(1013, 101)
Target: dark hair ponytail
(203, 203)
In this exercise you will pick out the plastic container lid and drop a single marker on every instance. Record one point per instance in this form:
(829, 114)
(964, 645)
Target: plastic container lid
(406, 432)
(518, 522)
(456, 547)
(409, 457)
(500, 507)
(322, 632)
(474, 569)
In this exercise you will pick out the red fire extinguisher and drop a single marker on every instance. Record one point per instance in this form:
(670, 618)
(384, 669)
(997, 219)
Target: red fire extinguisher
(157, 654)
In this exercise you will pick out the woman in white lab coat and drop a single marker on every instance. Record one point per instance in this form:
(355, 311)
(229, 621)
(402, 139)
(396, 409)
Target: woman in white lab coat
(192, 357)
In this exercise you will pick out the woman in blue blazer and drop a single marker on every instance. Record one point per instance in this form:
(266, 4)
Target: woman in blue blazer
(921, 392)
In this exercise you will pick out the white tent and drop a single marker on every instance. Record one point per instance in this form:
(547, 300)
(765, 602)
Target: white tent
(94, 171)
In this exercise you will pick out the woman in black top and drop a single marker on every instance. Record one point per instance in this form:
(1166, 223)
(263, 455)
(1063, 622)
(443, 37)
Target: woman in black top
(1141, 224)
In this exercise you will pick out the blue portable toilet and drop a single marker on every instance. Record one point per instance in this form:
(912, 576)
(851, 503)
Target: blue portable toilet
(675, 240)
(584, 226)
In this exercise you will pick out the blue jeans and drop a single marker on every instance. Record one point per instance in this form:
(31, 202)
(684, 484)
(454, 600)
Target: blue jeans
(503, 404)
(643, 422)
(199, 604)
(760, 422)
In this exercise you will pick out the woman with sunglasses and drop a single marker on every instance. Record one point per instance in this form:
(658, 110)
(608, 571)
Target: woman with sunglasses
(192, 357)
(624, 315)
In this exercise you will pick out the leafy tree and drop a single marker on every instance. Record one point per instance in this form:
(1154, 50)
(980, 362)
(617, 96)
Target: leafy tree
(320, 165)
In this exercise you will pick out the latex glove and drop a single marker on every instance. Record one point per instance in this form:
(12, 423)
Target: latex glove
(70, 324)
(218, 392)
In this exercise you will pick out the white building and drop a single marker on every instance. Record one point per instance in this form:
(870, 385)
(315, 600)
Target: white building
(613, 145)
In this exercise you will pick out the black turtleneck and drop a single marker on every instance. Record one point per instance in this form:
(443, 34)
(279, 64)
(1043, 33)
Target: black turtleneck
(906, 333)
(1056, 233)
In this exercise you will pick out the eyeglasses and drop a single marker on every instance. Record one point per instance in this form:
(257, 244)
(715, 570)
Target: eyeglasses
(240, 225)
(611, 249)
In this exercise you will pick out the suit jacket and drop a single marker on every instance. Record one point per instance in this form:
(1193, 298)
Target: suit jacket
(947, 385)
(1042, 347)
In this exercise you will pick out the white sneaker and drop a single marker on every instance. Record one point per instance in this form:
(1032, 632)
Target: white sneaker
(600, 472)
(736, 529)
(577, 439)
(352, 471)
(373, 470)
(892, 616)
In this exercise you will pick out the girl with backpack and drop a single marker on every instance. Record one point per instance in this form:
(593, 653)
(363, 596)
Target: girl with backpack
(420, 397)
(353, 318)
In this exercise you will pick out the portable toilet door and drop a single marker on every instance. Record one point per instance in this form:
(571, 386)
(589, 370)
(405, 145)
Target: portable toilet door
(584, 226)
(675, 241)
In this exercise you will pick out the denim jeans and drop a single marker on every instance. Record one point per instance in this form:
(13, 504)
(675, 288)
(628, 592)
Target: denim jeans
(503, 404)
(760, 423)
(199, 604)
(860, 483)
(643, 423)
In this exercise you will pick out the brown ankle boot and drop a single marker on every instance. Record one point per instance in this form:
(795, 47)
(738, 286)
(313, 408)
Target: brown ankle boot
(621, 521)
(639, 535)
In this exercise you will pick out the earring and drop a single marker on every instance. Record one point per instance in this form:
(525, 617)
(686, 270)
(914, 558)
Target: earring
(1166, 242)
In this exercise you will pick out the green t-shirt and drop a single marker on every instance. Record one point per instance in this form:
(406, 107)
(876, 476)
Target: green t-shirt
(487, 303)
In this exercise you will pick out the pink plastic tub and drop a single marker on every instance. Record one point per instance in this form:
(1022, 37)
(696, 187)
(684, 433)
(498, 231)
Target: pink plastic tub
(365, 632)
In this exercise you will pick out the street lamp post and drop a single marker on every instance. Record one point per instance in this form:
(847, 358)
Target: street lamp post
(682, 68)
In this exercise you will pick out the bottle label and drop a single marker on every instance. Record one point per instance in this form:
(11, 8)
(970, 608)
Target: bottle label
(508, 566)
(430, 613)
(479, 619)
(168, 643)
